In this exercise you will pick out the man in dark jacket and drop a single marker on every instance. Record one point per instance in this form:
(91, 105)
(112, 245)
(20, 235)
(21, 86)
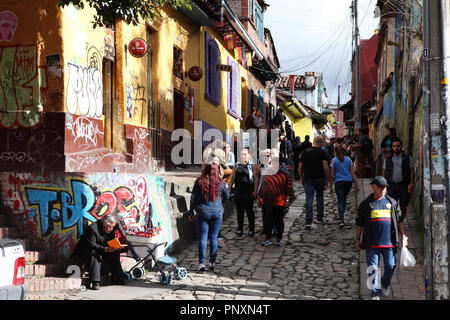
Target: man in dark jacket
(398, 169)
(93, 245)
(379, 222)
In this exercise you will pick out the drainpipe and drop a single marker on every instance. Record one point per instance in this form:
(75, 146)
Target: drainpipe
(428, 244)
(445, 103)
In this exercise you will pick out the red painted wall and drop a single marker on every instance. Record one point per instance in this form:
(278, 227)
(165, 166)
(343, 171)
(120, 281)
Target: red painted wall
(369, 74)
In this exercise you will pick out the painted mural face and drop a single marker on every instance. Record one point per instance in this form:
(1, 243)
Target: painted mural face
(8, 23)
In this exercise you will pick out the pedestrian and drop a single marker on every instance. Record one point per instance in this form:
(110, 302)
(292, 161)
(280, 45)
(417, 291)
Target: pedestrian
(250, 121)
(379, 220)
(364, 151)
(93, 246)
(306, 144)
(386, 143)
(244, 178)
(314, 173)
(274, 197)
(296, 156)
(278, 121)
(342, 173)
(229, 155)
(386, 149)
(213, 154)
(398, 169)
(206, 201)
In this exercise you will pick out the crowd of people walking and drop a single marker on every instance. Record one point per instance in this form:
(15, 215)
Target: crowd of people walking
(336, 163)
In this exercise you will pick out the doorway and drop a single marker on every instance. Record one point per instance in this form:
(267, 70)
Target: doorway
(178, 112)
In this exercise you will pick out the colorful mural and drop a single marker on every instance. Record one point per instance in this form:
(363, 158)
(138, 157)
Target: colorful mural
(57, 208)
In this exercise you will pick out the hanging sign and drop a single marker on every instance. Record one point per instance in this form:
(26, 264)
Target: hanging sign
(137, 47)
(195, 73)
(223, 67)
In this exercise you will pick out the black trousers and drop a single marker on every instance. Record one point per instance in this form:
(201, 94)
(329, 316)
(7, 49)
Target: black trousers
(95, 262)
(271, 217)
(244, 203)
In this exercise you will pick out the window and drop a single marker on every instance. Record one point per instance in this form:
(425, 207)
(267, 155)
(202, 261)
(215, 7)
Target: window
(259, 22)
(234, 89)
(212, 76)
(178, 63)
(251, 11)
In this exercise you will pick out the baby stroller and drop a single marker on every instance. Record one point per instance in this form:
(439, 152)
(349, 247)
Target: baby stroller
(165, 264)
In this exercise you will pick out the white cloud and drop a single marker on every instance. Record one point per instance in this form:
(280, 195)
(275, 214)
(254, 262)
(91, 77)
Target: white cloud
(315, 35)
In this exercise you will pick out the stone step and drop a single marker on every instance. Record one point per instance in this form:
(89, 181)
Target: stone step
(178, 204)
(34, 256)
(37, 269)
(50, 286)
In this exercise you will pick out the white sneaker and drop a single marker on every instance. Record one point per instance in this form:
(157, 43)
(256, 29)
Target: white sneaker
(376, 298)
(201, 267)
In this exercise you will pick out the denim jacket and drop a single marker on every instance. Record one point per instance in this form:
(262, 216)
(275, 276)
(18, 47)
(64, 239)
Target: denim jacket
(199, 204)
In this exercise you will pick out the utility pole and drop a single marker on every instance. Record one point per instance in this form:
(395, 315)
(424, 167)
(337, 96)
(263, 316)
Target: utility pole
(337, 111)
(445, 104)
(357, 72)
(436, 222)
(427, 216)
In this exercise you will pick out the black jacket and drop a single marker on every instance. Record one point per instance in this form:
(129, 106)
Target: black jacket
(94, 239)
(363, 220)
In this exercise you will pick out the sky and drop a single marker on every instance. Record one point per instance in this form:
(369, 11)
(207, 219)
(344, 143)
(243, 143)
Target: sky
(316, 35)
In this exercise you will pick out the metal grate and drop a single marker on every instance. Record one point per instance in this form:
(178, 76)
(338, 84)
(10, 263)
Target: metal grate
(154, 127)
(178, 63)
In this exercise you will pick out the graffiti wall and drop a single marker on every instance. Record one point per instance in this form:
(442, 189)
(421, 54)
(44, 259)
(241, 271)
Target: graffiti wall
(37, 150)
(22, 86)
(57, 208)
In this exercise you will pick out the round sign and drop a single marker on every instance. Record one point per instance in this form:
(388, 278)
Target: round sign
(137, 47)
(195, 73)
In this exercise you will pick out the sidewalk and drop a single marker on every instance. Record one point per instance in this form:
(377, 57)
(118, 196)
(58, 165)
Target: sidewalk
(407, 284)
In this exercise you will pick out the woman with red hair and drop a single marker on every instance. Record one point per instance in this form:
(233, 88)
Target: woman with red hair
(206, 200)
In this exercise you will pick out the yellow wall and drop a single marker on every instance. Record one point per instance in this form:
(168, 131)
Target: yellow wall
(37, 34)
(303, 127)
(217, 115)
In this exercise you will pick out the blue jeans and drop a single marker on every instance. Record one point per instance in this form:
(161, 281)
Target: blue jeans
(342, 189)
(311, 186)
(373, 272)
(208, 224)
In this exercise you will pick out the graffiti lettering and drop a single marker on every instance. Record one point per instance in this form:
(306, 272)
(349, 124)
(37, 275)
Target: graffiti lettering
(22, 84)
(20, 157)
(58, 206)
(84, 91)
(83, 130)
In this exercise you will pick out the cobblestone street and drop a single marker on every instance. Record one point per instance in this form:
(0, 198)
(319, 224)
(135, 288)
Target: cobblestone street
(317, 264)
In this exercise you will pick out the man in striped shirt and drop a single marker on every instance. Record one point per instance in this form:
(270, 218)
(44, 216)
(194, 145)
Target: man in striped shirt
(379, 221)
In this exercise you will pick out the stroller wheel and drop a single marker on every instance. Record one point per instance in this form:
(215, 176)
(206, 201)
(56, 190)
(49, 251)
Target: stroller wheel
(180, 273)
(127, 276)
(169, 279)
(162, 278)
(138, 272)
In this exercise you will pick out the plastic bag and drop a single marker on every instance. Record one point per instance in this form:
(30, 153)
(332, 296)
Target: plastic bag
(407, 260)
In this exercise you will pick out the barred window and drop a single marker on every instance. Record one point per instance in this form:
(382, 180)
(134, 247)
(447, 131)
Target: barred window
(178, 62)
